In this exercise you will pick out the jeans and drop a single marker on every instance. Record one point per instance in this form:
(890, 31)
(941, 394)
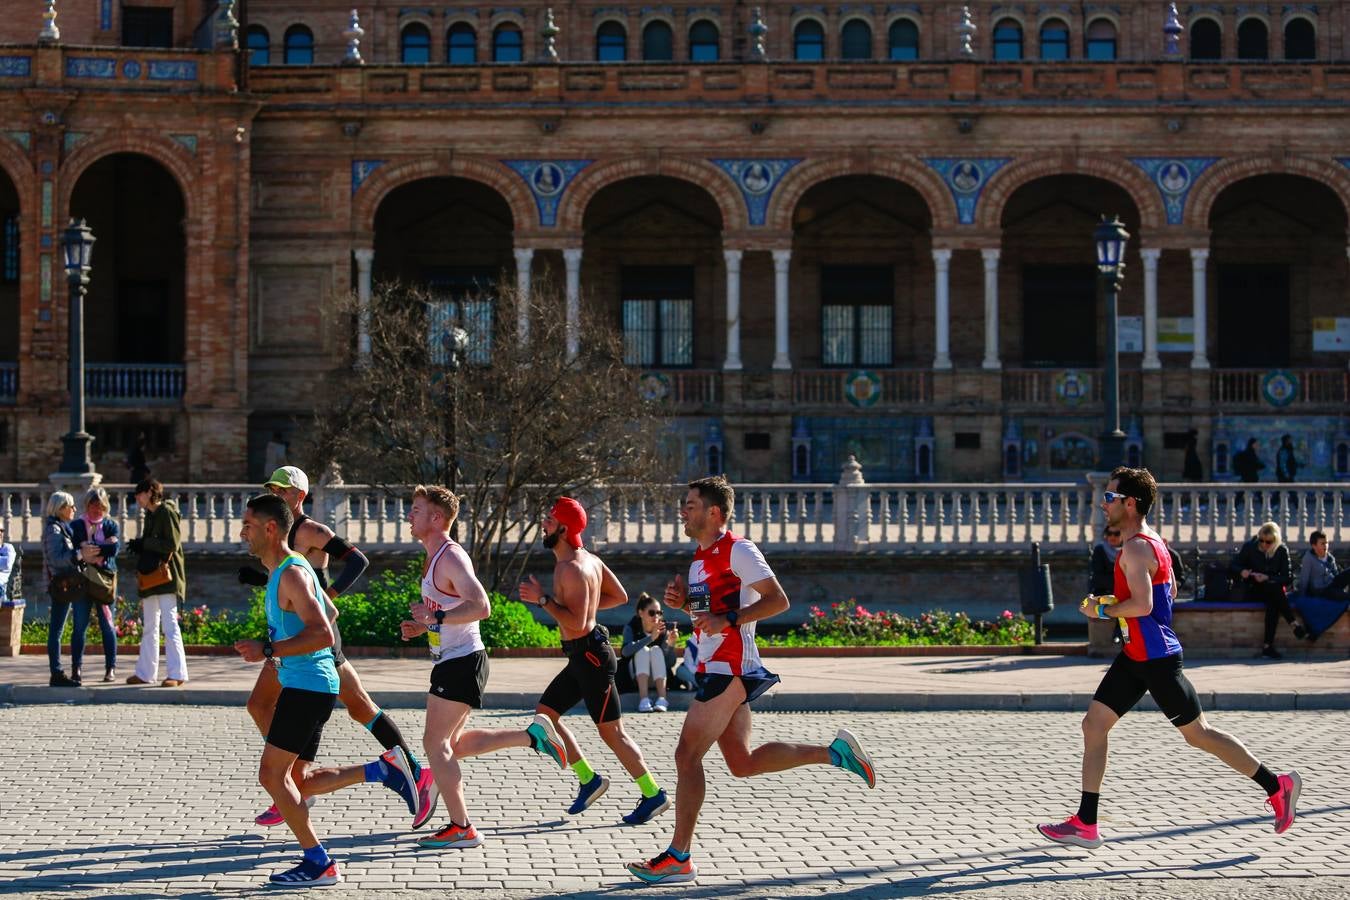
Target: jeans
(83, 610)
(157, 609)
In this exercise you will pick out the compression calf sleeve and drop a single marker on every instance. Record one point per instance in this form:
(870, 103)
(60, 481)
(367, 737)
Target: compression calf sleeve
(387, 733)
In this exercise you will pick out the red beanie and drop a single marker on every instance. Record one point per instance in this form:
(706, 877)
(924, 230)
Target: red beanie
(570, 513)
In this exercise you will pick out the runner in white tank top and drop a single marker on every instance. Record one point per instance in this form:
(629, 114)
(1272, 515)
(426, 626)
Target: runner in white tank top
(447, 640)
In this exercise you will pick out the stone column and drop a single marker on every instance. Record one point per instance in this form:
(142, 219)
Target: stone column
(781, 358)
(1199, 256)
(524, 258)
(572, 259)
(733, 360)
(942, 259)
(991, 360)
(365, 256)
(1150, 257)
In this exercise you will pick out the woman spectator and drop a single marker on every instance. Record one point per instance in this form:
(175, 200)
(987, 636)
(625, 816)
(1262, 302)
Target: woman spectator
(647, 640)
(97, 537)
(65, 585)
(1262, 567)
(162, 582)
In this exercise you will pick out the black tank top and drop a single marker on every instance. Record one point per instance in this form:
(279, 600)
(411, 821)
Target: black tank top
(290, 542)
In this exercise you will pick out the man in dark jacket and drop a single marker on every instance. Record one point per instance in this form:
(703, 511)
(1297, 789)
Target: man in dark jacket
(1286, 463)
(1247, 465)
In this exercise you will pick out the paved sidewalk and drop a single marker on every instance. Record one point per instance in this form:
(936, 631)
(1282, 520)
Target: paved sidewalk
(1049, 683)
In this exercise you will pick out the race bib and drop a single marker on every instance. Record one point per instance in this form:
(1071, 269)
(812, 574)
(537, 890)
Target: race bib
(700, 598)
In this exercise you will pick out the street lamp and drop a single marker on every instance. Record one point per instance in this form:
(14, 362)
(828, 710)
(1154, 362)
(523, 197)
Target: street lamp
(1111, 238)
(78, 244)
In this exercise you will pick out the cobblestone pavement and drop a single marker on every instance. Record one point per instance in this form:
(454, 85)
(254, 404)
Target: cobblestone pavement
(145, 801)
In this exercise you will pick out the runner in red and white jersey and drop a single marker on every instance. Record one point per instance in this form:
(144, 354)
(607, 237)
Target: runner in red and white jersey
(730, 588)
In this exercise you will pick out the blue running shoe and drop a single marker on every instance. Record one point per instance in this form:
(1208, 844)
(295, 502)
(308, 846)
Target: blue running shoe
(590, 792)
(544, 739)
(308, 874)
(848, 754)
(648, 808)
(398, 777)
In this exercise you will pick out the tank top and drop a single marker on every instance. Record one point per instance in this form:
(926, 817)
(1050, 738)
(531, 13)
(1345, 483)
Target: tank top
(312, 671)
(448, 641)
(1151, 636)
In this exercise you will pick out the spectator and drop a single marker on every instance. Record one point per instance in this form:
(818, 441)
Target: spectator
(1319, 576)
(9, 557)
(1102, 581)
(1247, 465)
(1191, 470)
(97, 537)
(689, 662)
(1262, 567)
(1286, 463)
(65, 585)
(649, 641)
(136, 462)
(162, 583)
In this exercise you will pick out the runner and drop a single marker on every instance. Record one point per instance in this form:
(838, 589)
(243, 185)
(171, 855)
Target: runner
(299, 649)
(453, 603)
(583, 586)
(1150, 660)
(730, 588)
(317, 543)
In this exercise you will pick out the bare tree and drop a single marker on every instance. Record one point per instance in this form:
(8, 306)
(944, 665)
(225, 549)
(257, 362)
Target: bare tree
(450, 394)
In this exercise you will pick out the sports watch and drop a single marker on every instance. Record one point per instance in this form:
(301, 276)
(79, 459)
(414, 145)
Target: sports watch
(267, 650)
(733, 617)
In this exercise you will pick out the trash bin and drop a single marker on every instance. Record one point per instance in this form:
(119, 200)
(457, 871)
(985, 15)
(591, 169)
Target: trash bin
(1037, 596)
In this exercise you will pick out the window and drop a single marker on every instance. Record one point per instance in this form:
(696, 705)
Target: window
(461, 45)
(808, 41)
(259, 46)
(1054, 40)
(1253, 40)
(1101, 40)
(508, 44)
(658, 315)
(414, 44)
(1206, 39)
(299, 42)
(856, 304)
(1007, 40)
(611, 43)
(9, 271)
(1300, 40)
(904, 40)
(147, 26)
(658, 42)
(464, 300)
(855, 40)
(704, 42)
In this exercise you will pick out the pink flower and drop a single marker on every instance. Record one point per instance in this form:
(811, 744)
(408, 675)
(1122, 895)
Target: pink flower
(1007, 614)
(818, 613)
(863, 612)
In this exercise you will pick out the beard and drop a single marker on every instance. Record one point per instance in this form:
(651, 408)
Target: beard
(551, 539)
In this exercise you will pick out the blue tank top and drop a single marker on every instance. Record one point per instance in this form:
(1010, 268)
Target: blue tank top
(309, 671)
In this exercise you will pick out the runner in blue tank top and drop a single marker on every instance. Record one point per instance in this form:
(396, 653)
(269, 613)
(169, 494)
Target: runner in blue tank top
(299, 643)
(1150, 661)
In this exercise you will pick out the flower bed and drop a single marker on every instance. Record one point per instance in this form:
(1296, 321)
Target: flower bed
(853, 625)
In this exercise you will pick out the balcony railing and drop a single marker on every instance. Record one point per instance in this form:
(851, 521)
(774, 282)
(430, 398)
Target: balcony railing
(1292, 387)
(686, 388)
(127, 384)
(1062, 388)
(875, 387)
(9, 381)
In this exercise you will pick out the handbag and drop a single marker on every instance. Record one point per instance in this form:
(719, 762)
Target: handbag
(159, 577)
(66, 588)
(100, 584)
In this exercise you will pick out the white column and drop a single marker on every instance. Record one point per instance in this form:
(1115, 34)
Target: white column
(991, 360)
(733, 360)
(572, 259)
(1199, 256)
(365, 256)
(524, 258)
(781, 359)
(1150, 257)
(942, 260)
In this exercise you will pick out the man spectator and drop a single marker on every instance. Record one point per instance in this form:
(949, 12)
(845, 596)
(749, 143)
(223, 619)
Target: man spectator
(1286, 463)
(1102, 583)
(1319, 576)
(9, 557)
(1247, 465)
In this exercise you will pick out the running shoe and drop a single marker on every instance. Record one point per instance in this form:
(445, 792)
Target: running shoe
(308, 874)
(847, 753)
(398, 777)
(1283, 801)
(661, 705)
(664, 868)
(452, 837)
(271, 816)
(544, 739)
(645, 704)
(648, 808)
(1072, 831)
(428, 795)
(590, 792)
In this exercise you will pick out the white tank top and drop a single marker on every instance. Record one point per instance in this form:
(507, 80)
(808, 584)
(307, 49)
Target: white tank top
(455, 640)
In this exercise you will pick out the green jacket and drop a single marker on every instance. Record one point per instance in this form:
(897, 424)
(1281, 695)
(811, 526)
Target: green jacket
(163, 536)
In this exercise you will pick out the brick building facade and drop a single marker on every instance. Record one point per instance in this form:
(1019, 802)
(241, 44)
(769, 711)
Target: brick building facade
(825, 230)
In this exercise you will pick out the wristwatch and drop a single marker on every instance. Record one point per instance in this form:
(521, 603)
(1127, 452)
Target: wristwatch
(733, 617)
(267, 650)
(440, 617)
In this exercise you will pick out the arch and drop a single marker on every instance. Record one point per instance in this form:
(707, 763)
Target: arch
(1053, 38)
(16, 164)
(572, 208)
(458, 49)
(941, 206)
(1253, 38)
(902, 39)
(705, 41)
(658, 41)
(366, 202)
(297, 46)
(808, 39)
(1229, 172)
(855, 38)
(1132, 180)
(258, 45)
(1009, 39)
(414, 43)
(1205, 35)
(1300, 38)
(508, 42)
(1101, 39)
(168, 153)
(611, 41)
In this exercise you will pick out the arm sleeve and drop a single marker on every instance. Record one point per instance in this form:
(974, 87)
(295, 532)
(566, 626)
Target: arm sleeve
(631, 642)
(748, 563)
(354, 562)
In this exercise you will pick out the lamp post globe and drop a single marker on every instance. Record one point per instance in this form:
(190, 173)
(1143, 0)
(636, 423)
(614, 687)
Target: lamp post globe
(77, 245)
(1111, 238)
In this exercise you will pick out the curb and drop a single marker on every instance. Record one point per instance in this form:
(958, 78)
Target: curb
(362, 652)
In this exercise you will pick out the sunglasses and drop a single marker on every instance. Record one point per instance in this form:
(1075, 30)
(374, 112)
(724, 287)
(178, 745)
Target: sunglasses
(1268, 541)
(653, 613)
(1112, 496)
(1113, 534)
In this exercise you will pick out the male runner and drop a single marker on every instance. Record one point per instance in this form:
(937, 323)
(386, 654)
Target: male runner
(299, 649)
(316, 542)
(1150, 660)
(453, 603)
(582, 586)
(730, 588)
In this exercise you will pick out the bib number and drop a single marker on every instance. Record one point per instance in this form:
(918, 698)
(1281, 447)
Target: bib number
(700, 598)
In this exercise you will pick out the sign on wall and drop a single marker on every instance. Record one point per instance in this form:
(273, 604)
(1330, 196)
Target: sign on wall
(1331, 335)
(1176, 334)
(1130, 334)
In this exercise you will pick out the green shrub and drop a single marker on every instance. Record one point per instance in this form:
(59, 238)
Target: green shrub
(852, 625)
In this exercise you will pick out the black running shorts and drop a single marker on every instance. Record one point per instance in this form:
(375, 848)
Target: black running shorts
(710, 684)
(462, 679)
(297, 723)
(1127, 680)
(589, 676)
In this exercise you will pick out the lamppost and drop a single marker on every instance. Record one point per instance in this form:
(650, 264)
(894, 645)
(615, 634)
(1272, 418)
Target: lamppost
(1111, 238)
(454, 346)
(78, 244)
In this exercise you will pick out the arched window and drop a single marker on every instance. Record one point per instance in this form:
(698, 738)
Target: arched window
(658, 42)
(808, 41)
(260, 46)
(1253, 39)
(611, 43)
(1054, 40)
(904, 39)
(299, 43)
(1008, 40)
(855, 40)
(704, 42)
(461, 44)
(1206, 39)
(1101, 40)
(414, 44)
(1300, 39)
(508, 44)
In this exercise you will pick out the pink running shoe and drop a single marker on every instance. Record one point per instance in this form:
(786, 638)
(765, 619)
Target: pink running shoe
(1072, 831)
(271, 816)
(1283, 801)
(427, 797)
